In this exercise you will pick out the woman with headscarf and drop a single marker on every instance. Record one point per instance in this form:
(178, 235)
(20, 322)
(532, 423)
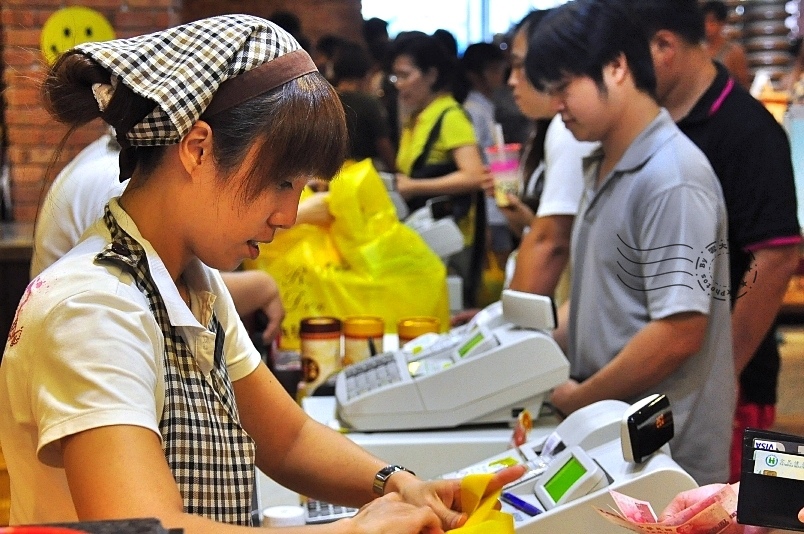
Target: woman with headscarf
(129, 387)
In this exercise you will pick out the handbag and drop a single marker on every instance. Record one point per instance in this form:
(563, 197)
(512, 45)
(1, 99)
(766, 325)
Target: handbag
(461, 203)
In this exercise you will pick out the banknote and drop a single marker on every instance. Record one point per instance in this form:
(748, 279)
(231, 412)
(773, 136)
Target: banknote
(713, 515)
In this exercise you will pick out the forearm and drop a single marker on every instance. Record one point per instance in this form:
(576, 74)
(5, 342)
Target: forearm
(325, 464)
(543, 255)
(756, 308)
(450, 184)
(654, 353)
(250, 290)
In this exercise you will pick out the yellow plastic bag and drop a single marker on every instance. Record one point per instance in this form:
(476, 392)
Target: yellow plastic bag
(366, 262)
(483, 518)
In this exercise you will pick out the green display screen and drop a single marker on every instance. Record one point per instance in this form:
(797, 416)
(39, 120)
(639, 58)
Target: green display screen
(569, 474)
(469, 345)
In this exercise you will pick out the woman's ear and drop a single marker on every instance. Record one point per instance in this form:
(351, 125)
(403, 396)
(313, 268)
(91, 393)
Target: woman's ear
(431, 76)
(195, 148)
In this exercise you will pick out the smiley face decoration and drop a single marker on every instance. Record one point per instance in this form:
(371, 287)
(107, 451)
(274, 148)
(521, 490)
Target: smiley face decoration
(72, 26)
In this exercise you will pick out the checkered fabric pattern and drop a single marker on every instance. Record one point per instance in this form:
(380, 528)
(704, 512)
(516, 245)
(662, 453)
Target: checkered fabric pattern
(181, 68)
(210, 455)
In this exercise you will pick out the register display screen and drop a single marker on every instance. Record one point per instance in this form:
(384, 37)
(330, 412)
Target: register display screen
(563, 480)
(464, 349)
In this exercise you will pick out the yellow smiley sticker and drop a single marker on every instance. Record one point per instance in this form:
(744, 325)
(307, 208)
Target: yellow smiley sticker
(72, 26)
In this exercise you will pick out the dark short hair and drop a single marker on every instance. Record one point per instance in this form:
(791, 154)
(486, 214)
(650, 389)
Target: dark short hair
(374, 28)
(581, 37)
(426, 52)
(478, 56)
(682, 17)
(530, 22)
(717, 8)
(350, 62)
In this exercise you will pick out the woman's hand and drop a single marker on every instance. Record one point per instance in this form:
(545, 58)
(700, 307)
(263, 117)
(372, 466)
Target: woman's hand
(689, 503)
(444, 496)
(518, 214)
(390, 513)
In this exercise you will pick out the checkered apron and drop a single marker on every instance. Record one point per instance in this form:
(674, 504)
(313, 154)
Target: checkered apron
(209, 453)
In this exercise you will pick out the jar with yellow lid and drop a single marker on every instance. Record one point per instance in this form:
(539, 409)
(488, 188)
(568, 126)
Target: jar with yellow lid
(410, 328)
(362, 337)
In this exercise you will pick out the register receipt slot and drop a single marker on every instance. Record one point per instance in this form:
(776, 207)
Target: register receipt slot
(485, 372)
(572, 470)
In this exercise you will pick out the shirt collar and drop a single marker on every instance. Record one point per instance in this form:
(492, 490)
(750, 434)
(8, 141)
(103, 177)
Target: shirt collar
(702, 109)
(195, 275)
(641, 149)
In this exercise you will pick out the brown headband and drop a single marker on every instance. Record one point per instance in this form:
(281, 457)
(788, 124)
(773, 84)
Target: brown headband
(259, 80)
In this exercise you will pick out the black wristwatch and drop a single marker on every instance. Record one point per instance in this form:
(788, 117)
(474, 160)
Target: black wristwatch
(382, 476)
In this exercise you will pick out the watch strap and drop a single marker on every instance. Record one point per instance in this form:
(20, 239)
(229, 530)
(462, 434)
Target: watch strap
(382, 476)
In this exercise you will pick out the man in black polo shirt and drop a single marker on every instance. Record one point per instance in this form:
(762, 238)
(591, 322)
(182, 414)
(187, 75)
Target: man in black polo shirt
(750, 154)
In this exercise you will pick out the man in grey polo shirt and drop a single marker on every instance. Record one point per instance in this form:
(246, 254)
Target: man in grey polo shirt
(649, 309)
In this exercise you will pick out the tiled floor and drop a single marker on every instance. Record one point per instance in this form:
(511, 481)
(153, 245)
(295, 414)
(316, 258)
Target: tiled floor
(790, 406)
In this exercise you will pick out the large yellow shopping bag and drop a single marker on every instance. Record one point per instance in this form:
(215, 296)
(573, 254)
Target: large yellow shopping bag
(365, 262)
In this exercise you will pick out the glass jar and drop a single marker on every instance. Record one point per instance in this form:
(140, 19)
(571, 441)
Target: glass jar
(362, 338)
(320, 351)
(410, 328)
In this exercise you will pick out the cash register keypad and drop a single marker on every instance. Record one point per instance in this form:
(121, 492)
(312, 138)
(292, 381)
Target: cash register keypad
(371, 374)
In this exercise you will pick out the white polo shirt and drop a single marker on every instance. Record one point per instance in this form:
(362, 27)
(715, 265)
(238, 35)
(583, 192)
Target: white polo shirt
(85, 351)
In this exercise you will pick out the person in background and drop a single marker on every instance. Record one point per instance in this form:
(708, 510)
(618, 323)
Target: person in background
(129, 387)
(651, 207)
(552, 181)
(722, 49)
(483, 67)
(438, 152)
(750, 154)
(375, 35)
(76, 199)
(325, 49)
(448, 41)
(290, 22)
(366, 118)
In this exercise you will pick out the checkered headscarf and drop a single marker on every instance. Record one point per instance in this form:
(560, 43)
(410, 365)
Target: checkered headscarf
(183, 68)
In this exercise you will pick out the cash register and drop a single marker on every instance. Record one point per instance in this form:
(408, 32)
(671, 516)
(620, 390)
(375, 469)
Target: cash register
(488, 371)
(572, 470)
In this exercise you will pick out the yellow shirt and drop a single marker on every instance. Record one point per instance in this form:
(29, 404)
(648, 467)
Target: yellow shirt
(456, 131)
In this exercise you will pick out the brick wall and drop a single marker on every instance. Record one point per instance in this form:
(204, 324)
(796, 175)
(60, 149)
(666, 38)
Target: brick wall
(31, 136)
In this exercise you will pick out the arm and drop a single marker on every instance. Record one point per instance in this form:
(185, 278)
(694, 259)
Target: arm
(256, 290)
(298, 452)
(107, 483)
(653, 353)
(543, 254)
(518, 214)
(754, 311)
(386, 152)
(470, 176)
(561, 332)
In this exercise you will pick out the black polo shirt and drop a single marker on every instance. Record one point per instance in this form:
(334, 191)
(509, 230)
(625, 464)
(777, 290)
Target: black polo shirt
(750, 154)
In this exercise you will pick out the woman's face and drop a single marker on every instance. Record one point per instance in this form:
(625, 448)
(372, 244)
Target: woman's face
(532, 103)
(414, 86)
(231, 229)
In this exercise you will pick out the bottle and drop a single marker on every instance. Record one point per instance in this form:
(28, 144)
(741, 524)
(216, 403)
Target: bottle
(362, 338)
(410, 328)
(320, 351)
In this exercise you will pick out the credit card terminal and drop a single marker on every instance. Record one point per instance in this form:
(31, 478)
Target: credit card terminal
(572, 471)
(486, 372)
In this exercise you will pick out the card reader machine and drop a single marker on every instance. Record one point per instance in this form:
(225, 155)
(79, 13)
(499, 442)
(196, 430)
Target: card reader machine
(486, 372)
(573, 469)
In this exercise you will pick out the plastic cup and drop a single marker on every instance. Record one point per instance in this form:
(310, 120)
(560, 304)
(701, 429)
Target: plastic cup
(504, 165)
